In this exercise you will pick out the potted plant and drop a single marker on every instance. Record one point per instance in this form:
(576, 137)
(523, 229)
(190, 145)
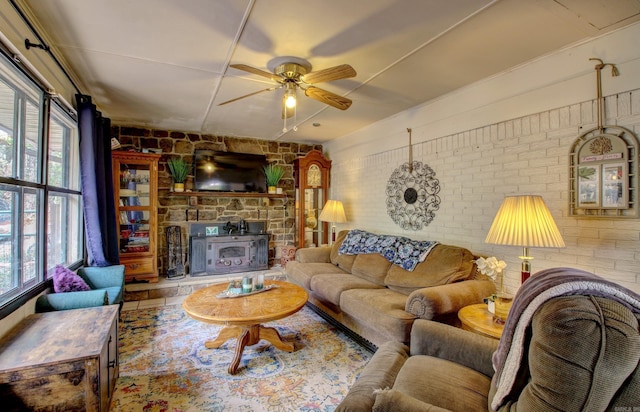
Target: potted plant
(179, 171)
(273, 173)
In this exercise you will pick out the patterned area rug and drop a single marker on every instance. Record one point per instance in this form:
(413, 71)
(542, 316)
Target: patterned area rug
(164, 366)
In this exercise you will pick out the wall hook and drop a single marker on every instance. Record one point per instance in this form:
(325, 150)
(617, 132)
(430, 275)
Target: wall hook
(410, 151)
(28, 45)
(614, 73)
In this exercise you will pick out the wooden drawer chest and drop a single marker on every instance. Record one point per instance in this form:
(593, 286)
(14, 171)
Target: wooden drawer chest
(61, 361)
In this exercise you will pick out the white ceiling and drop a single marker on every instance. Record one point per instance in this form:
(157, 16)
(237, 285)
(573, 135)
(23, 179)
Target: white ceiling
(165, 63)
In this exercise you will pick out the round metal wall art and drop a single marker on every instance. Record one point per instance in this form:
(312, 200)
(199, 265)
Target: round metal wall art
(412, 195)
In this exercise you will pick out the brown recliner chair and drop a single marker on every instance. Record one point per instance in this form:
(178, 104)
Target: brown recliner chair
(571, 343)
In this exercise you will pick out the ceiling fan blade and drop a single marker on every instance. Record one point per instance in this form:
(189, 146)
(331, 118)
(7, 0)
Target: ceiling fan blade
(326, 75)
(247, 95)
(327, 97)
(259, 72)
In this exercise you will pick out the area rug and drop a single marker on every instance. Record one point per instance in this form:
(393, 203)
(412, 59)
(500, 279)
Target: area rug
(164, 366)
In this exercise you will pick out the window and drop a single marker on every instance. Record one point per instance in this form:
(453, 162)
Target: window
(40, 198)
(64, 202)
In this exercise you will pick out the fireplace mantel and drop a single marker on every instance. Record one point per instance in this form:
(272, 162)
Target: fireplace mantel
(225, 194)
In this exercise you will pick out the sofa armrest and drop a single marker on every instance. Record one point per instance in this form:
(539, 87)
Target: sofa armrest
(71, 300)
(380, 373)
(456, 345)
(320, 254)
(101, 277)
(434, 301)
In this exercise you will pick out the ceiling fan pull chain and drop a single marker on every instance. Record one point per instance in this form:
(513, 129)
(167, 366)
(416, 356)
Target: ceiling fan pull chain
(295, 118)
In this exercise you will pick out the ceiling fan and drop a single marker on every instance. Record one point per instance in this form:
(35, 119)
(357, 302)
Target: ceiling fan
(293, 73)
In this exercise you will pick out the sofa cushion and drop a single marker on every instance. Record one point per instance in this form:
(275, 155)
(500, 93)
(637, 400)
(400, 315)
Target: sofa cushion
(372, 267)
(391, 400)
(331, 285)
(430, 379)
(301, 273)
(444, 264)
(65, 280)
(344, 262)
(73, 300)
(381, 307)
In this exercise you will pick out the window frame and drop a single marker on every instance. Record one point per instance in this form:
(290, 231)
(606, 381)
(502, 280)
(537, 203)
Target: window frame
(26, 87)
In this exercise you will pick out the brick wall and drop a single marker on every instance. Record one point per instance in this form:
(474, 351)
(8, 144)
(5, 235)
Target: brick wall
(477, 168)
(176, 210)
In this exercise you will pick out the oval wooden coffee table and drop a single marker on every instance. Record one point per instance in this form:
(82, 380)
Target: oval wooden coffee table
(243, 316)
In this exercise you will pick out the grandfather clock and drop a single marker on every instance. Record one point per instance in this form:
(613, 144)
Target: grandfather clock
(311, 174)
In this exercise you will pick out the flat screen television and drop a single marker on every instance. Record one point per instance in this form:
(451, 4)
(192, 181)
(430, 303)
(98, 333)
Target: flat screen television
(229, 172)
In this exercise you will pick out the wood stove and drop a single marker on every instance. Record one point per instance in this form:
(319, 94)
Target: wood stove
(228, 253)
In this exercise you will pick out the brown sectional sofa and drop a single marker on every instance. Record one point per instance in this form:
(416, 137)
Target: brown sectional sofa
(379, 301)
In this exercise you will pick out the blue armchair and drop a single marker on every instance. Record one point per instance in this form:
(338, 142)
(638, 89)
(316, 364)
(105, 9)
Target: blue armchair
(107, 288)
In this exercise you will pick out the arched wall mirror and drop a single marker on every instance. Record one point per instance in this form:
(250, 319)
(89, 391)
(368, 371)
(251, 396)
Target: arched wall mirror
(603, 173)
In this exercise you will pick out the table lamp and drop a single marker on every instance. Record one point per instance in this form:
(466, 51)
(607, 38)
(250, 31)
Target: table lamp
(333, 212)
(524, 221)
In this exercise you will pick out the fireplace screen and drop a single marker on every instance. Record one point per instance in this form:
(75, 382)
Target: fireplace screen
(231, 252)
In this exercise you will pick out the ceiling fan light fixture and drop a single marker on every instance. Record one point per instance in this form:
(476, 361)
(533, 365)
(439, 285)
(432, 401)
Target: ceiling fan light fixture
(290, 98)
(289, 104)
(292, 72)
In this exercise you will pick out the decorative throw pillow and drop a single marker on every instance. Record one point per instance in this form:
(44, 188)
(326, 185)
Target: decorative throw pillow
(64, 280)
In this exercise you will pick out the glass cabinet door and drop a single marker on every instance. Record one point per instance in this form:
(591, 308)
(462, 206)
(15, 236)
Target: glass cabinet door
(134, 208)
(313, 229)
(311, 174)
(135, 184)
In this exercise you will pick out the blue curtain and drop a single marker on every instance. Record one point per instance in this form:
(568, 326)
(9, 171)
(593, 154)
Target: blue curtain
(97, 184)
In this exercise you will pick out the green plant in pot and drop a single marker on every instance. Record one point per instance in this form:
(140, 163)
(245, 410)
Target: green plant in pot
(179, 171)
(273, 173)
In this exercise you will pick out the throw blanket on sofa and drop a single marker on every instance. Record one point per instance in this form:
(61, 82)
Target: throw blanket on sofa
(543, 286)
(401, 251)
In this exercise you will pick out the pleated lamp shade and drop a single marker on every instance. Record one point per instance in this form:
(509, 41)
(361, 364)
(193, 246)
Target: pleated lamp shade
(524, 221)
(333, 211)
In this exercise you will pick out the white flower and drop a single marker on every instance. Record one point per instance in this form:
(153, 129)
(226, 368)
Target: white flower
(491, 266)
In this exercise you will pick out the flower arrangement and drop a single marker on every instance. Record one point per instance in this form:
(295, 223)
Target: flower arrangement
(491, 267)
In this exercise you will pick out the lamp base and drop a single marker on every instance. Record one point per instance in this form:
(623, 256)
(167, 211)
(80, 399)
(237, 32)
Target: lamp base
(526, 265)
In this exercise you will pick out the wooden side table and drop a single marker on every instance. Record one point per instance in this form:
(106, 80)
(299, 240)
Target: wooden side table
(476, 318)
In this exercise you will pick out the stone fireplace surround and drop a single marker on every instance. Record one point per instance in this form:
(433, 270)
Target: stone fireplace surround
(279, 213)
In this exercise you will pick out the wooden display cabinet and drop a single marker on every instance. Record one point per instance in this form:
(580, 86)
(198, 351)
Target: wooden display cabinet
(311, 174)
(135, 181)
